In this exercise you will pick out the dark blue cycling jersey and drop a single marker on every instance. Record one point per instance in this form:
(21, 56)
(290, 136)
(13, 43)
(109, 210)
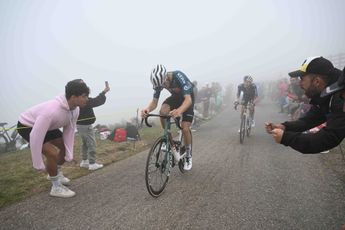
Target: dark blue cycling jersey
(180, 85)
(249, 93)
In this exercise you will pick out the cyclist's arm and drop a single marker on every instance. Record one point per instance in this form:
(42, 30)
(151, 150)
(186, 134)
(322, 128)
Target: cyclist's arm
(255, 94)
(238, 92)
(153, 105)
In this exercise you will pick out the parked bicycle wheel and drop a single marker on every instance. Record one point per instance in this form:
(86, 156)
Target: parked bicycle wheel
(158, 167)
(242, 128)
(3, 144)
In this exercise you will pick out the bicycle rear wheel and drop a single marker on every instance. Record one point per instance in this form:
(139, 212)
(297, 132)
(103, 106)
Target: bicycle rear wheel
(158, 166)
(242, 128)
(3, 144)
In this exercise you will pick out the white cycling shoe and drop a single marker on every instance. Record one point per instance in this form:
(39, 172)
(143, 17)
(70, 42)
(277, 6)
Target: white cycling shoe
(188, 164)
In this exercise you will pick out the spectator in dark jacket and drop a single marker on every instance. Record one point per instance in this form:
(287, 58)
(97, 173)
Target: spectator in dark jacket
(85, 129)
(316, 74)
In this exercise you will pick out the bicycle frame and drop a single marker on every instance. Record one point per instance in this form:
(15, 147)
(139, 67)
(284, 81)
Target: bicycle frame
(7, 141)
(246, 121)
(158, 165)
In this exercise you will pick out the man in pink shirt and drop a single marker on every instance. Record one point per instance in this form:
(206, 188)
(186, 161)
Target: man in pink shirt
(40, 126)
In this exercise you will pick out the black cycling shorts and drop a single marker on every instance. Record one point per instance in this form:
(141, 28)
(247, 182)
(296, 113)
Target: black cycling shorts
(175, 101)
(25, 131)
(246, 100)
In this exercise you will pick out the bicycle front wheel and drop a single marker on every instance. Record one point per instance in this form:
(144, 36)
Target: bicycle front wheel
(3, 144)
(249, 126)
(242, 128)
(158, 166)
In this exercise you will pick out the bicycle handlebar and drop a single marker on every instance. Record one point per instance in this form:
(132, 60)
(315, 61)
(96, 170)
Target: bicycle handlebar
(177, 120)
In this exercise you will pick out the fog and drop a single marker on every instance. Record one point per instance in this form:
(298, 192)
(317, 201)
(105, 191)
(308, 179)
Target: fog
(44, 44)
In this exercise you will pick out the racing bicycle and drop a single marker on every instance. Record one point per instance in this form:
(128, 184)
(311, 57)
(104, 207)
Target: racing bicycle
(161, 159)
(246, 120)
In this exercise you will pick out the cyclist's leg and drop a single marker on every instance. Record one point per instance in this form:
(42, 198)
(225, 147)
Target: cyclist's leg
(185, 125)
(169, 104)
(187, 119)
(187, 135)
(165, 109)
(252, 111)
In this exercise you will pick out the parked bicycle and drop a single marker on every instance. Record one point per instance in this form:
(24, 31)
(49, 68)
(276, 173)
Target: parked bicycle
(162, 156)
(10, 142)
(246, 120)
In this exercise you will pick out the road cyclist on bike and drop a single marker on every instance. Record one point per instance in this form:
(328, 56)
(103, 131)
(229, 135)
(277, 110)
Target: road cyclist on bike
(180, 103)
(250, 94)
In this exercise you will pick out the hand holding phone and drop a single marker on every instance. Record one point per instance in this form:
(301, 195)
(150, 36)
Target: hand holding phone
(107, 88)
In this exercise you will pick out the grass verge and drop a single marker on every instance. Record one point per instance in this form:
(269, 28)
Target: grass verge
(19, 180)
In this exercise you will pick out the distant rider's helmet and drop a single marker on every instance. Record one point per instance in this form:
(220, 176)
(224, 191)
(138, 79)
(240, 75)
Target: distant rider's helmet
(248, 78)
(158, 76)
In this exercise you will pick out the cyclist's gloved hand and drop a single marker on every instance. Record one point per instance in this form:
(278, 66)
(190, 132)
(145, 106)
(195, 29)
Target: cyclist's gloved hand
(175, 113)
(144, 113)
(236, 103)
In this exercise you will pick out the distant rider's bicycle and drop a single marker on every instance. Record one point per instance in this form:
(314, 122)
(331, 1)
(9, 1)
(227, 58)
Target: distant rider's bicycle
(246, 120)
(161, 157)
(10, 142)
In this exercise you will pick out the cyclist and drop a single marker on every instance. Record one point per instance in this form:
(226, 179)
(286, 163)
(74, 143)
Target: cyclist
(180, 103)
(250, 94)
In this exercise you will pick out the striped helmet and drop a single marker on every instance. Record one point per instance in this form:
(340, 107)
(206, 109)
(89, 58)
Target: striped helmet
(248, 78)
(158, 75)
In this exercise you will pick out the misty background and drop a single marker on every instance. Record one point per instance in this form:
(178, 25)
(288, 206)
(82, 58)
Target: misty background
(45, 44)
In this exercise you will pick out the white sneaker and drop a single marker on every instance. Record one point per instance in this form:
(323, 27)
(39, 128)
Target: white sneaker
(253, 123)
(84, 164)
(61, 191)
(95, 166)
(239, 130)
(63, 180)
(188, 164)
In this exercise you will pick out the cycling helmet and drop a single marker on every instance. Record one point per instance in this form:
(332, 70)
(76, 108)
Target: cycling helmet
(158, 76)
(248, 78)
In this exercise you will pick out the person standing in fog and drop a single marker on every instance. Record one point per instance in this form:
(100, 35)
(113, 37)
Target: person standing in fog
(85, 129)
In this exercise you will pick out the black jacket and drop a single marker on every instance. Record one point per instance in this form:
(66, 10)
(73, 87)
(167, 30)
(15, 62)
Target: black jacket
(86, 114)
(329, 109)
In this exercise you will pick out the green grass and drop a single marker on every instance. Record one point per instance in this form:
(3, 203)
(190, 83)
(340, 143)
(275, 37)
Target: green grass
(19, 180)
